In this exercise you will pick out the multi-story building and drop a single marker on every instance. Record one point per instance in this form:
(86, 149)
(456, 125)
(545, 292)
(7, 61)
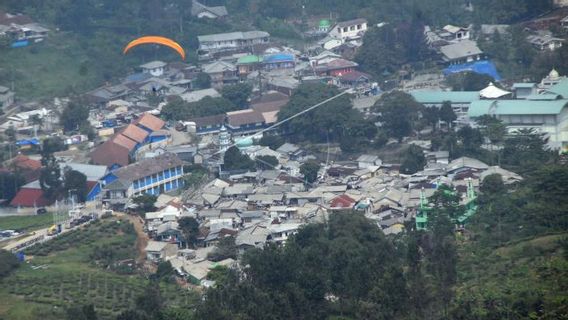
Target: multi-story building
(349, 30)
(152, 176)
(212, 43)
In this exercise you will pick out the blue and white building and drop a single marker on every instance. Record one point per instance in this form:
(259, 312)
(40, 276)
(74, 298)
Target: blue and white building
(148, 176)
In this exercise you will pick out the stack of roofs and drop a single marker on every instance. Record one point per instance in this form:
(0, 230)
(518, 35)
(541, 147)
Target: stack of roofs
(119, 149)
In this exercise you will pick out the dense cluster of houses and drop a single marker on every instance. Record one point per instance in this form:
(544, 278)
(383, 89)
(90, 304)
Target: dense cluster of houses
(256, 208)
(136, 152)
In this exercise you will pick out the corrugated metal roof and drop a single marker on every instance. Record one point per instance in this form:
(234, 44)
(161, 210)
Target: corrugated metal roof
(437, 97)
(515, 107)
(135, 133)
(560, 88)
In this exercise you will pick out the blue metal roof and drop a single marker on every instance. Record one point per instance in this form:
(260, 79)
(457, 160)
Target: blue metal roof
(481, 67)
(279, 57)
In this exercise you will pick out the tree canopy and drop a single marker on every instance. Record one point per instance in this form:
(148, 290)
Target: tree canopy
(235, 160)
(398, 113)
(178, 109)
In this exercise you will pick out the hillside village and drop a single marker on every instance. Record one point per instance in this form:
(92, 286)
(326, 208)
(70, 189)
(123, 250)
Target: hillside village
(135, 150)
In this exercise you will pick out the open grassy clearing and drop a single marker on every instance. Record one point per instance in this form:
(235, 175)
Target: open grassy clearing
(26, 223)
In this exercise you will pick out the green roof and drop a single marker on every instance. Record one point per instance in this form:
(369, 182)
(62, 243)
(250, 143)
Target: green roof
(438, 97)
(544, 96)
(560, 88)
(324, 23)
(515, 107)
(249, 59)
(524, 85)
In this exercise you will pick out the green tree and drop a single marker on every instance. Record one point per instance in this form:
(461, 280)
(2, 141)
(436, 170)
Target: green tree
(75, 184)
(271, 141)
(226, 248)
(74, 115)
(310, 171)
(11, 134)
(324, 123)
(37, 121)
(177, 109)
(447, 113)
(469, 81)
(238, 94)
(50, 175)
(235, 160)
(10, 183)
(165, 271)
(413, 160)
(266, 162)
(526, 151)
(492, 128)
(145, 203)
(397, 113)
(202, 81)
(52, 145)
(471, 140)
(190, 229)
(431, 116)
(8, 263)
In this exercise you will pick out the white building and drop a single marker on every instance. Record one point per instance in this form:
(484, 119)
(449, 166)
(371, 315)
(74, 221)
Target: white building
(349, 30)
(212, 43)
(545, 116)
(155, 68)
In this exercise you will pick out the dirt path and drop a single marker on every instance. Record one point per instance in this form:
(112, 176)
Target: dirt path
(141, 237)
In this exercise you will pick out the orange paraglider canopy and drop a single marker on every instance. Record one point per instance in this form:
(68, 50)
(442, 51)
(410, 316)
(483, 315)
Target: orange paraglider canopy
(156, 40)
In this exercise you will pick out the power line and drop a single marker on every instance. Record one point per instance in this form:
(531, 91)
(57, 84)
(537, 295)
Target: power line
(290, 118)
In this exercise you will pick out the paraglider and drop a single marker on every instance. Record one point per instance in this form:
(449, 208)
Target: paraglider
(156, 40)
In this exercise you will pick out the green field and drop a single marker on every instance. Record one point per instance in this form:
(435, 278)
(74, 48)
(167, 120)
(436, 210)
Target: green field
(79, 268)
(26, 223)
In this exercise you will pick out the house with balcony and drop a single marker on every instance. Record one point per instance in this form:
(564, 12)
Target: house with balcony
(221, 73)
(231, 41)
(152, 176)
(248, 64)
(279, 61)
(349, 30)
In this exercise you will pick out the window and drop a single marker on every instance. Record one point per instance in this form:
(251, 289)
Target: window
(167, 174)
(148, 180)
(345, 29)
(352, 28)
(359, 27)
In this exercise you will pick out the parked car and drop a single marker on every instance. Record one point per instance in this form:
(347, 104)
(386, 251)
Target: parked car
(41, 210)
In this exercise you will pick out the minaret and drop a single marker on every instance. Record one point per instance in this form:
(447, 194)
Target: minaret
(470, 190)
(224, 139)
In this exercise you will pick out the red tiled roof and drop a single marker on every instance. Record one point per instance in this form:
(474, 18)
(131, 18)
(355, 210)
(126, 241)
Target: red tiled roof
(273, 101)
(342, 201)
(123, 141)
(24, 162)
(151, 122)
(209, 120)
(30, 198)
(241, 117)
(135, 133)
(354, 76)
(91, 185)
(110, 153)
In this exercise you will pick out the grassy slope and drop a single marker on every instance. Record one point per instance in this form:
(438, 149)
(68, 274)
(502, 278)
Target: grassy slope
(71, 277)
(26, 223)
(47, 69)
(524, 272)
